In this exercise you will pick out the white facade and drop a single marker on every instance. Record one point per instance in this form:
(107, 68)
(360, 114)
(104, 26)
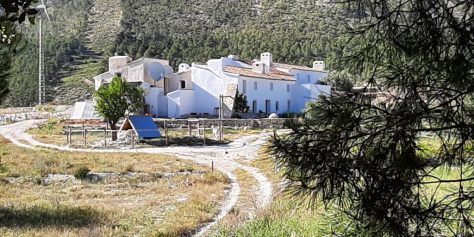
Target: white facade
(195, 89)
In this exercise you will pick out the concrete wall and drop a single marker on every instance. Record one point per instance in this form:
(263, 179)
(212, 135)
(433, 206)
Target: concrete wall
(152, 98)
(263, 93)
(208, 83)
(304, 93)
(308, 77)
(180, 103)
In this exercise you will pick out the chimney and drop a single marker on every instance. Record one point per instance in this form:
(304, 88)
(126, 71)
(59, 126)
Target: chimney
(233, 57)
(183, 67)
(117, 64)
(267, 59)
(319, 65)
(259, 67)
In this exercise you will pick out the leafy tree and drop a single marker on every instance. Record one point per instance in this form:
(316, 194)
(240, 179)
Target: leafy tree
(240, 103)
(367, 157)
(117, 100)
(12, 12)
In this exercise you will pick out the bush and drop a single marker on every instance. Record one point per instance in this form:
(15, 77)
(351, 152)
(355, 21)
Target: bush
(81, 172)
(3, 169)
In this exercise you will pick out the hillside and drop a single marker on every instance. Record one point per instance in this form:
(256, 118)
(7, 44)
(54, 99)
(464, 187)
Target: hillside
(83, 33)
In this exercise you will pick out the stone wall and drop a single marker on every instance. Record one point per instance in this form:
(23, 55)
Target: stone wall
(232, 123)
(9, 115)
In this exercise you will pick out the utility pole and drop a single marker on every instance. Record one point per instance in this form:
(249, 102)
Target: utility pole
(41, 75)
(221, 114)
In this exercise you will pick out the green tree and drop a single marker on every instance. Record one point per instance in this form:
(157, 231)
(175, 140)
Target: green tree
(240, 103)
(117, 100)
(12, 12)
(367, 158)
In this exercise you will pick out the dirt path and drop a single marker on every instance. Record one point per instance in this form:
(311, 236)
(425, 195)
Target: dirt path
(224, 159)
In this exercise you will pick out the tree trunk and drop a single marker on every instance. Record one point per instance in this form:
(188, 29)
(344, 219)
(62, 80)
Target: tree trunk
(113, 127)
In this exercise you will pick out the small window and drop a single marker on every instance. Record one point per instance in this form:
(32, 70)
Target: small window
(289, 105)
(255, 87)
(244, 86)
(287, 88)
(277, 106)
(271, 86)
(183, 84)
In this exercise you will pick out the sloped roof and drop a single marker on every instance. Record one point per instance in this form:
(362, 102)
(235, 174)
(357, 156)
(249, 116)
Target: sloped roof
(272, 75)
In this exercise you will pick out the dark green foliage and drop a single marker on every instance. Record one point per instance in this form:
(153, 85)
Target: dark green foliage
(364, 156)
(63, 39)
(81, 173)
(12, 12)
(341, 81)
(240, 103)
(16, 11)
(195, 31)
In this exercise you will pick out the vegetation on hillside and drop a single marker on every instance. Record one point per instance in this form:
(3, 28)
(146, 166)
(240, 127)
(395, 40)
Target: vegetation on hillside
(62, 40)
(195, 31)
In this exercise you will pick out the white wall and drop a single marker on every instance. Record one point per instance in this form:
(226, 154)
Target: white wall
(152, 97)
(208, 84)
(180, 103)
(305, 93)
(263, 93)
(302, 76)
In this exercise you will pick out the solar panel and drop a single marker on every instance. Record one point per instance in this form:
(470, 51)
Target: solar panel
(145, 127)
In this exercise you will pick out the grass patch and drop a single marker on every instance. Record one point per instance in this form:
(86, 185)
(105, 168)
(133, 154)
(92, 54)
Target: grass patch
(149, 202)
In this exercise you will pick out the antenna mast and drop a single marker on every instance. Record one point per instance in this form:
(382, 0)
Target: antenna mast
(41, 71)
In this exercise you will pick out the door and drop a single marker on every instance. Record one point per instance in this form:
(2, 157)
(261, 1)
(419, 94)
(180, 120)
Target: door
(268, 107)
(254, 107)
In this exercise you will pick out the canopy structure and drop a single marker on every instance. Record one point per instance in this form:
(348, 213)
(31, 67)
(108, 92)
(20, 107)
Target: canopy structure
(84, 110)
(144, 127)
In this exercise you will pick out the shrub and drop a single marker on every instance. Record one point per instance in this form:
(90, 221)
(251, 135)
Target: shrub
(3, 168)
(81, 172)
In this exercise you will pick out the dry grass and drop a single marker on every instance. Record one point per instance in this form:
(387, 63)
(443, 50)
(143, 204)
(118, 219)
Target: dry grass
(145, 203)
(52, 132)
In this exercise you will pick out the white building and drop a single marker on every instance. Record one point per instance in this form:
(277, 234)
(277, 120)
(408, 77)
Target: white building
(270, 87)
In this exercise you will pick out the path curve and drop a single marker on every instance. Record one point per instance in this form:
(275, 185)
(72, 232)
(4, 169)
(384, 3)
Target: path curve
(223, 156)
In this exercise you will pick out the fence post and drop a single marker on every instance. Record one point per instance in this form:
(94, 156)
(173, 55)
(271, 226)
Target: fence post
(67, 135)
(204, 132)
(85, 137)
(166, 132)
(221, 130)
(212, 167)
(70, 136)
(105, 137)
(190, 129)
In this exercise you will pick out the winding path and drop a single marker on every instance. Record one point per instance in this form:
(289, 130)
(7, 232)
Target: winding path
(224, 159)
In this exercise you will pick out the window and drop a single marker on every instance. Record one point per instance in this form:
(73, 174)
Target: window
(309, 78)
(271, 86)
(183, 84)
(244, 86)
(255, 87)
(287, 88)
(289, 105)
(277, 106)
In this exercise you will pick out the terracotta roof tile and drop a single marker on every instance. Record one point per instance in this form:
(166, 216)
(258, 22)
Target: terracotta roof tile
(272, 75)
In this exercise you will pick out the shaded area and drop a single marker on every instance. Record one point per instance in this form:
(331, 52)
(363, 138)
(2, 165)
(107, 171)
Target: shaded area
(39, 217)
(184, 141)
